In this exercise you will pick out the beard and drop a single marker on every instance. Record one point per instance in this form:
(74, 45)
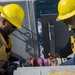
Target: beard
(8, 31)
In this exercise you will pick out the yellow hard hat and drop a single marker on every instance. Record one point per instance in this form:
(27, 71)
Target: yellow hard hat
(66, 9)
(13, 13)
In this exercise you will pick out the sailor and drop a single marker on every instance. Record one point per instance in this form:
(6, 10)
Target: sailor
(66, 13)
(11, 18)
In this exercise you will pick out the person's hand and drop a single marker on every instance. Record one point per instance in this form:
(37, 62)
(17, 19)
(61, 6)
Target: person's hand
(52, 59)
(2, 63)
(52, 62)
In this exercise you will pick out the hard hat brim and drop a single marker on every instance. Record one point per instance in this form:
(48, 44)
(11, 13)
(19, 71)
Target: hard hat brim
(9, 19)
(60, 17)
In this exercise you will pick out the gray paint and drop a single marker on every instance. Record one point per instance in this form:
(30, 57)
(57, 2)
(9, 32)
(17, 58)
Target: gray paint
(47, 70)
(9, 0)
(61, 34)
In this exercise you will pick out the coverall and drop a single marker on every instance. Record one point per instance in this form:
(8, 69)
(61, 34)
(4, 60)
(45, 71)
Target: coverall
(5, 45)
(69, 49)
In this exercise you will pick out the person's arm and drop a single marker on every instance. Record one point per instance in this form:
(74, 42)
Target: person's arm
(64, 52)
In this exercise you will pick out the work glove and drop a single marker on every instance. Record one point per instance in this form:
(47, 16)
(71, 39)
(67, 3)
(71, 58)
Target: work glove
(52, 60)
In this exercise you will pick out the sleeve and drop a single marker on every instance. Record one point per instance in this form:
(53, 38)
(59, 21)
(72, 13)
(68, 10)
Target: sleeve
(64, 52)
